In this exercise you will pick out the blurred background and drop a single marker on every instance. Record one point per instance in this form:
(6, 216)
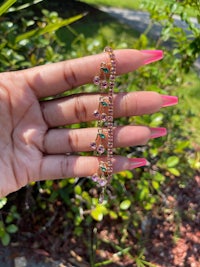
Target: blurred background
(151, 216)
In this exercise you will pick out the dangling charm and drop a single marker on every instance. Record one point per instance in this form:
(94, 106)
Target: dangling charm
(104, 115)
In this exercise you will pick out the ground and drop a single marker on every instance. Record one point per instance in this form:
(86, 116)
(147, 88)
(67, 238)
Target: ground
(167, 243)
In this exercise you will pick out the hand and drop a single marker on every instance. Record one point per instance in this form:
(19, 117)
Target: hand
(34, 148)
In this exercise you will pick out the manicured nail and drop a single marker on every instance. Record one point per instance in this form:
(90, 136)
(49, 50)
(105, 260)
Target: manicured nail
(152, 55)
(158, 132)
(136, 162)
(169, 100)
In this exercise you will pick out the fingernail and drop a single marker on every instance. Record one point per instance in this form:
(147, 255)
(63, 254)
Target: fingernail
(169, 100)
(136, 162)
(158, 132)
(152, 55)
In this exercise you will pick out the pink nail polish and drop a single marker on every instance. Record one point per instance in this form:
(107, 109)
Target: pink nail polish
(169, 100)
(158, 132)
(152, 55)
(136, 162)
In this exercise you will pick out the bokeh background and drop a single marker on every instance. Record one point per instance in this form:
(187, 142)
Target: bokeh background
(151, 216)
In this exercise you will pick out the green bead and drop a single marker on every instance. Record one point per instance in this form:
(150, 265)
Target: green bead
(104, 104)
(105, 70)
(102, 135)
(103, 169)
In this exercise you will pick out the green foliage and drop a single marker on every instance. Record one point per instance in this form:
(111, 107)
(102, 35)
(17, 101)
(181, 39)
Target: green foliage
(30, 40)
(30, 37)
(8, 225)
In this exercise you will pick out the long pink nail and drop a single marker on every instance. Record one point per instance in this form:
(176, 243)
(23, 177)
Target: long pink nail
(169, 100)
(136, 162)
(158, 132)
(152, 55)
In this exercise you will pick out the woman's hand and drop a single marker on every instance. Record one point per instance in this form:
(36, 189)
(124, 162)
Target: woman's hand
(32, 145)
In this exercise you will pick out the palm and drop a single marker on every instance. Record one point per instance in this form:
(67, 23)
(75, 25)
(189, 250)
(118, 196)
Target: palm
(22, 133)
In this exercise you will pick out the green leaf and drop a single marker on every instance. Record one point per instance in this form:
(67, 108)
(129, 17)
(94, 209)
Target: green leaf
(3, 202)
(148, 206)
(5, 239)
(155, 185)
(98, 213)
(51, 27)
(77, 190)
(14, 9)
(124, 205)
(174, 7)
(172, 161)
(113, 215)
(157, 119)
(159, 177)
(143, 193)
(9, 218)
(2, 229)
(5, 6)
(174, 171)
(12, 228)
(124, 215)
(198, 18)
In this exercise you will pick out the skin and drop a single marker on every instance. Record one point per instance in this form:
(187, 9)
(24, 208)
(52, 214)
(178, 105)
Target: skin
(34, 148)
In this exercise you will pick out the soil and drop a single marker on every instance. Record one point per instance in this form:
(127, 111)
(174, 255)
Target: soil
(171, 237)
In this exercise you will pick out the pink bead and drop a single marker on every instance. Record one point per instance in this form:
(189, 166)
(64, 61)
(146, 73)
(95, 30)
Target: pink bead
(96, 114)
(102, 182)
(104, 117)
(93, 145)
(100, 149)
(95, 177)
(104, 84)
(96, 80)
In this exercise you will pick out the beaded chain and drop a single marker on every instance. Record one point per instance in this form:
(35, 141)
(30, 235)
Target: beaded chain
(103, 144)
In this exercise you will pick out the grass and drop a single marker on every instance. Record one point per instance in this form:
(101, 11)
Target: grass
(135, 4)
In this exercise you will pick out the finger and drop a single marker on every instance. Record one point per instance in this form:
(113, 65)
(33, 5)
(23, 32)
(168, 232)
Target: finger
(60, 141)
(56, 167)
(80, 108)
(55, 78)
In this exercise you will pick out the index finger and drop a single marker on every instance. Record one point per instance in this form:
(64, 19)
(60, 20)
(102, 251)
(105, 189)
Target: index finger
(55, 78)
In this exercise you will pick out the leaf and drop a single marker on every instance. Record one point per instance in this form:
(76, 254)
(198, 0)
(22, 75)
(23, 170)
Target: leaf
(77, 190)
(159, 177)
(9, 218)
(2, 229)
(3, 202)
(124, 205)
(174, 171)
(172, 161)
(51, 27)
(198, 18)
(14, 9)
(113, 215)
(98, 213)
(12, 228)
(155, 185)
(157, 119)
(174, 7)
(5, 239)
(6, 6)
(143, 193)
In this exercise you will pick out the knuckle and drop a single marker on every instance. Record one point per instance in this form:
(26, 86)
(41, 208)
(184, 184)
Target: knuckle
(80, 109)
(70, 76)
